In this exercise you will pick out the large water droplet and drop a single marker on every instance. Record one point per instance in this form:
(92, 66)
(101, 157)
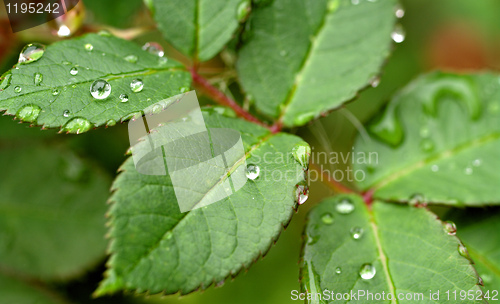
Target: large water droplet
(100, 89)
(37, 79)
(89, 47)
(5, 83)
(136, 85)
(28, 113)
(252, 172)
(301, 192)
(327, 218)
(302, 152)
(398, 35)
(243, 10)
(123, 97)
(154, 48)
(338, 270)
(31, 52)
(367, 271)
(18, 89)
(345, 206)
(450, 227)
(357, 232)
(73, 71)
(77, 125)
(131, 58)
(399, 12)
(462, 250)
(66, 113)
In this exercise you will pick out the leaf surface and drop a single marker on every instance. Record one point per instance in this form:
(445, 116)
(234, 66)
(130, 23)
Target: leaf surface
(14, 291)
(156, 248)
(305, 58)
(62, 99)
(437, 141)
(408, 248)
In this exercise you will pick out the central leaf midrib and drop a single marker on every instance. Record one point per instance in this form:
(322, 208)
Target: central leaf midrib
(157, 243)
(384, 181)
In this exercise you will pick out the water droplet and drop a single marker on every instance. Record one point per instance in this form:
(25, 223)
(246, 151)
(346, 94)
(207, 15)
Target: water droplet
(327, 218)
(417, 199)
(123, 97)
(434, 168)
(399, 11)
(31, 52)
(55, 92)
(375, 81)
(469, 171)
(477, 162)
(427, 145)
(73, 71)
(367, 271)
(252, 172)
(333, 5)
(338, 270)
(100, 89)
(462, 250)
(388, 128)
(450, 228)
(66, 113)
(243, 10)
(89, 47)
(131, 58)
(63, 31)
(302, 152)
(110, 123)
(162, 61)
(104, 33)
(5, 83)
(77, 125)
(357, 232)
(37, 79)
(398, 35)
(283, 53)
(136, 85)
(301, 193)
(17, 89)
(132, 116)
(345, 206)
(28, 113)
(224, 111)
(355, 2)
(154, 48)
(184, 89)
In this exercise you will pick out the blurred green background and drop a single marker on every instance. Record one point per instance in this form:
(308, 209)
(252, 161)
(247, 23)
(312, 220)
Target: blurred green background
(457, 35)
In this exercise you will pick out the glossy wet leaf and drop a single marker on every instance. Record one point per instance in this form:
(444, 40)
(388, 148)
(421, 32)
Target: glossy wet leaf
(63, 96)
(156, 248)
(403, 250)
(439, 139)
(52, 207)
(113, 13)
(479, 230)
(15, 291)
(197, 28)
(305, 58)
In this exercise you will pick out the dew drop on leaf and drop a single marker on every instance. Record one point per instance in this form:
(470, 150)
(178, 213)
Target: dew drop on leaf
(434, 168)
(398, 35)
(450, 228)
(18, 89)
(327, 218)
(104, 33)
(338, 270)
(399, 12)
(66, 113)
(252, 172)
(73, 71)
(243, 10)
(123, 97)
(89, 47)
(131, 58)
(355, 2)
(154, 48)
(31, 52)
(477, 162)
(28, 113)
(184, 89)
(427, 145)
(356, 232)
(5, 81)
(416, 199)
(301, 153)
(345, 206)
(469, 171)
(333, 5)
(55, 92)
(77, 125)
(375, 81)
(301, 192)
(367, 271)
(136, 85)
(462, 250)
(162, 61)
(110, 123)
(100, 89)
(37, 79)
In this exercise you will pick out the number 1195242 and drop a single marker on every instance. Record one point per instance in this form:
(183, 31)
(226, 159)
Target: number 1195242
(32, 8)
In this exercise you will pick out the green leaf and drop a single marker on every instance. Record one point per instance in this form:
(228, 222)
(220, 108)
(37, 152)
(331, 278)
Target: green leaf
(479, 230)
(113, 13)
(14, 291)
(408, 248)
(156, 248)
(44, 92)
(437, 141)
(197, 28)
(305, 58)
(52, 207)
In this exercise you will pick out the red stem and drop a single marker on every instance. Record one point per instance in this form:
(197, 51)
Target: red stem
(368, 197)
(222, 99)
